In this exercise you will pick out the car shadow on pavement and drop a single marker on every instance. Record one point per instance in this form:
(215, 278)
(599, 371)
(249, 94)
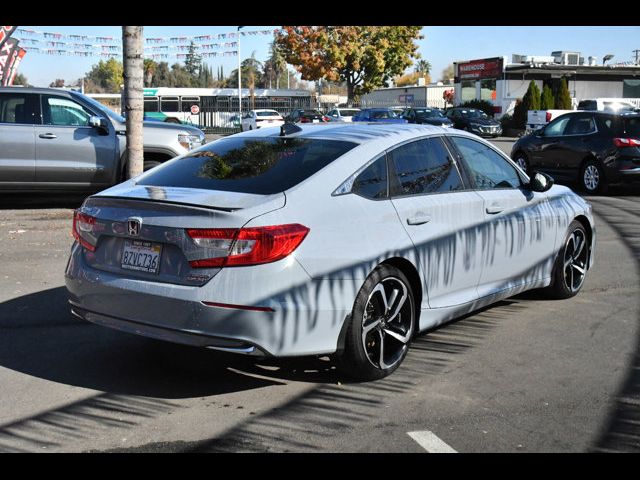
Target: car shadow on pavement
(40, 337)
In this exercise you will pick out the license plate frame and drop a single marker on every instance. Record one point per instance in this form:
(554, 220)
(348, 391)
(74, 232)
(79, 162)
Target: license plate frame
(139, 255)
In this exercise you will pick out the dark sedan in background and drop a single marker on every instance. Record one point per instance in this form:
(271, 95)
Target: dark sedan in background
(426, 116)
(474, 121)
(306, 116)
(378, 115)
(594, 148)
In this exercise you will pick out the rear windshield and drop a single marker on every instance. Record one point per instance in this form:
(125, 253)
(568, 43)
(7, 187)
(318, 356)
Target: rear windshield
(270, 113)
(250, 165)
(632, 127)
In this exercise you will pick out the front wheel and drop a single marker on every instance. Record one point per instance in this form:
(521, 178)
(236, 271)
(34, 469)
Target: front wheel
(381, 326)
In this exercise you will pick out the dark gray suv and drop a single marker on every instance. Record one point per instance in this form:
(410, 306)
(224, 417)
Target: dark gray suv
(57, 139)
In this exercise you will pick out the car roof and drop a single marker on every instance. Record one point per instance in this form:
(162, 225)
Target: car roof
(58, 91)
(358, 132)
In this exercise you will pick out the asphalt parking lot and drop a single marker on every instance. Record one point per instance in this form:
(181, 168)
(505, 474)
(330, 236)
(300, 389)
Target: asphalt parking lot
(526, 375)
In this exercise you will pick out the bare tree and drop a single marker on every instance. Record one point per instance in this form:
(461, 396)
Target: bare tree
(132, 44)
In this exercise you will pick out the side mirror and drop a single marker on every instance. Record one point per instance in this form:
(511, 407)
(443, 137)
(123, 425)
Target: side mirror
(540, 182)
(99, 122)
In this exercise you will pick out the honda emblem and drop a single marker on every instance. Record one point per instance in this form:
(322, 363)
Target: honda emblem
(134, 226)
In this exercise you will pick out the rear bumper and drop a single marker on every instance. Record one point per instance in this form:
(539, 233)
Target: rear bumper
(303, 316)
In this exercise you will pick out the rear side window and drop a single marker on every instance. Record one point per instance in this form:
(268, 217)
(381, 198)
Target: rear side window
(372, 182)
(632, 127)
(151, 104)
(580, 125)
(18, 108)
(424, 166)
(250, 165)
(488, 169)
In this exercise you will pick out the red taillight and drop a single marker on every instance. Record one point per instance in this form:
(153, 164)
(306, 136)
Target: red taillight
(626, 142)
(305, 120)
(83, 226)
(548, 117)
(246, 246)
(325, 119)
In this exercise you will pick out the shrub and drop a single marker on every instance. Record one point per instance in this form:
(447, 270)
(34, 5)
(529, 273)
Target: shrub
(563, 100)
(547, 100)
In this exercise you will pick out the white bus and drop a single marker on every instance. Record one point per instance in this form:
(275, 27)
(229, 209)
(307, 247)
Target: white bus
(217, 107)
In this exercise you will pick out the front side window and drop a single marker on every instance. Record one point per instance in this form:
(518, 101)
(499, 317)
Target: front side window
(18, 108)
(557, 127)
(487, 168)
(65, 112)
(250, 165)
(372, 182)
(424, 166)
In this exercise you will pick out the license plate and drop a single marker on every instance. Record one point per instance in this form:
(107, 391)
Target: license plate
(316, 121)
(141, 256)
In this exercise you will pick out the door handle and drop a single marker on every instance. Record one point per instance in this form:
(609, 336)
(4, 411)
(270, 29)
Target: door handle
(493, 209)
(48, 135)
(419, 220)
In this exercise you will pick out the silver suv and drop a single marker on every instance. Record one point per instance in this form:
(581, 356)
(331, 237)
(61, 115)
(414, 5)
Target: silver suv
(57, 139)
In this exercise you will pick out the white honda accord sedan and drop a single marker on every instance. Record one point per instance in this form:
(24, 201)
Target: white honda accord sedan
(342, 239)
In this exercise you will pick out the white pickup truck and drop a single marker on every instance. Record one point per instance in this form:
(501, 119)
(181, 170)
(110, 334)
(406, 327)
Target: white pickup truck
(539, 118)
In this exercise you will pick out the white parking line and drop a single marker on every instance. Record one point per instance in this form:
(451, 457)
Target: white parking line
(430, 442)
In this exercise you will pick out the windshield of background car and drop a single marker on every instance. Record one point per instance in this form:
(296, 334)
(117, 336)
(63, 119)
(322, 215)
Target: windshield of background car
(250, 165)
(632, 127)
(382, 114)
(269, 113)
(475, 114)
(429, 113)
(348, 113)
(113, 115)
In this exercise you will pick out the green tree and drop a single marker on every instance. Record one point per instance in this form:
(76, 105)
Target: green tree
(547, 100)
(365, 57)
(180, 76)
(162, 76)
(20, 79)
(563, 100)
(193, 61)
(422, 67)
(58, 83)
(106, 75)
(150, 67)
(531, 99)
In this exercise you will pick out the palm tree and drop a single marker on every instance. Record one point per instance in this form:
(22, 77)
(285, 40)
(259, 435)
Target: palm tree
(133, 99)
(423, 67)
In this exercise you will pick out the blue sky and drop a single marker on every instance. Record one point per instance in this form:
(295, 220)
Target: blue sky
(441, 45)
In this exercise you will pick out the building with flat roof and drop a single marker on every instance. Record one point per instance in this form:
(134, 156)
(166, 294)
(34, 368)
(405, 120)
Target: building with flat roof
(502, 83)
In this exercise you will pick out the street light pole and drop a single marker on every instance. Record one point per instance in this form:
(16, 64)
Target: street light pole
(239, 78)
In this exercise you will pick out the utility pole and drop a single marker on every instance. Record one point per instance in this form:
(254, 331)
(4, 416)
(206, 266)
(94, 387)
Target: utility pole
(133, 98)
(637, 54)
(239, 77)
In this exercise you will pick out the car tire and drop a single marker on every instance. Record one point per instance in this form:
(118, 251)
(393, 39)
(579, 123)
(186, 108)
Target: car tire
(592, 178)
(378, 334)
(521, 160)
(149, 164)
(570, 268)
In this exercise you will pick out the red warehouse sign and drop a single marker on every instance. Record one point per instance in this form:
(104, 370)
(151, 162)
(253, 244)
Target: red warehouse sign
(486, 68)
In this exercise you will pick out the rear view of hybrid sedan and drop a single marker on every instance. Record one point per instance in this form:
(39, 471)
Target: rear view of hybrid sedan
(341, 239)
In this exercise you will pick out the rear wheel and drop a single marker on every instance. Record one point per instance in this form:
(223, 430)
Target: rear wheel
(381, 326)
(570, 269)
(592, 178)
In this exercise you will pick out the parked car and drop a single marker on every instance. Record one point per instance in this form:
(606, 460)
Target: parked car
(595, 149)
(306, 116)
(378, 115)
(474, 121)
(342, 114)
(255, 119)
(345, 241)
(615, 105)
(429, 116)
(55, 139)
(539, 118)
